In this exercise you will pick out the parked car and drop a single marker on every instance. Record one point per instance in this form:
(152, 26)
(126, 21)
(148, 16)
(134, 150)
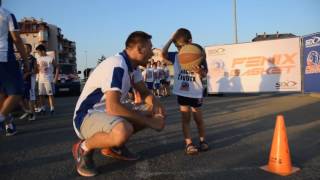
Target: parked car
(69, 80)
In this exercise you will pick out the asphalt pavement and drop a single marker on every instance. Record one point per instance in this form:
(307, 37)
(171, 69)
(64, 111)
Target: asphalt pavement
(239, 132)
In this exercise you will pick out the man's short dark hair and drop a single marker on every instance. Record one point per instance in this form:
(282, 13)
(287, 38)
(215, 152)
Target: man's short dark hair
(183, 34)
(41, 47)
(27, 44)
(137, 37)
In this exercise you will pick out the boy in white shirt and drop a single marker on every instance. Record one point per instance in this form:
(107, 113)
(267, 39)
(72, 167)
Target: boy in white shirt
(156, 74)
(149, 78)
(46, 65)
(189, 90)
(167, 80)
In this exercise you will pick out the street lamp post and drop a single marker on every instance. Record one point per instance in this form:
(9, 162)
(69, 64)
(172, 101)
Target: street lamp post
(235, 21)
(86, 59)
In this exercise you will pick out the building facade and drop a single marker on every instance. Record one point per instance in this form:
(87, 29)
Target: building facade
(36, 32)
(265, 36)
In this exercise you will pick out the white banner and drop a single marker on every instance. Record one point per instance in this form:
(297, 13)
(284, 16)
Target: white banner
(264, 66)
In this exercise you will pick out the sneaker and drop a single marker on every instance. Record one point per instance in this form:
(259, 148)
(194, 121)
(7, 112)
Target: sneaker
(203, 146)
(11, 130)
(37, 110)
(2, 126)
(121, 153)
(84, 161)
(24, 115)
(42, 111)
(51, 112)
(32, 117)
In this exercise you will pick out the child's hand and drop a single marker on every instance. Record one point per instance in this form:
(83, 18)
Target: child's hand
(197, 69)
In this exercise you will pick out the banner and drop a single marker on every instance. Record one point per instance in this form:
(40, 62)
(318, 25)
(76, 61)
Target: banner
(263, 66)
(311, 62)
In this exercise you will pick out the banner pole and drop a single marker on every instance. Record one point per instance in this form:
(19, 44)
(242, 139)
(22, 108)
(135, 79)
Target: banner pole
(302, 64)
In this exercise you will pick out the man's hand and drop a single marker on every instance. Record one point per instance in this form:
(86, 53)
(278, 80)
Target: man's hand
(157, 122)
(157, 108)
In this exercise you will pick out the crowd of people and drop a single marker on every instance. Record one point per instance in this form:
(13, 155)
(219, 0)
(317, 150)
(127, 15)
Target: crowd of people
(25, 81)
(156, 76)
(39, 83)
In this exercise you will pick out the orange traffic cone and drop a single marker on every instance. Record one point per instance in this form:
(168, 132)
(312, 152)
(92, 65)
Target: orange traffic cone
(279, 158)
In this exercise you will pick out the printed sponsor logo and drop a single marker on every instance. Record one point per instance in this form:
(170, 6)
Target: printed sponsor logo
(313, 58)
(314, 41)
(313, 63)
(256, 65)
(286, 85)
(218, 51)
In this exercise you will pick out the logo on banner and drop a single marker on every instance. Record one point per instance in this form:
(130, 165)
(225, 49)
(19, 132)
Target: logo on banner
(313, 63)
(286, 85)
(315, 41)
(256, 65)
(217, 67)
(218, 51)
(313, 58)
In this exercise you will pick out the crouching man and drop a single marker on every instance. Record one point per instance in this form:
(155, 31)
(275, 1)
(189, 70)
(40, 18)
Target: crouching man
(101, 120)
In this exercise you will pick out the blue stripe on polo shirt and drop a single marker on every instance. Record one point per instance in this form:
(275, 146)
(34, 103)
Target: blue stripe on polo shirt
(10, 52)
(126, 59)
(15, 23)
(117, 77)
(88, 103)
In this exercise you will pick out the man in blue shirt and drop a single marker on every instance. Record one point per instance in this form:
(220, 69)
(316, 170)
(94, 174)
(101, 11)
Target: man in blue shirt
(101, 118)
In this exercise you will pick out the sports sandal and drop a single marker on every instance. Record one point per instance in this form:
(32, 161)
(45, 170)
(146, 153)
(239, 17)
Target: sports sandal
(203, 146)
(191, 149)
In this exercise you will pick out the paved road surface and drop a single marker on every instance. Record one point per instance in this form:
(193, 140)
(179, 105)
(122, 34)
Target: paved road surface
(239, 130)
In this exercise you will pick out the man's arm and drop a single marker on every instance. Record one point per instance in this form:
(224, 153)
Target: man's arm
(57, 67)
(20, 47)
(35, 66)
(115, 108)
(149, 98)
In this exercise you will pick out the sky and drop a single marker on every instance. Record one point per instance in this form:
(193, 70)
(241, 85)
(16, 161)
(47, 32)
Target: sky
(100, 27)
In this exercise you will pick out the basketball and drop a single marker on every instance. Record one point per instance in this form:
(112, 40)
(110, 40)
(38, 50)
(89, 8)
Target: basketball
(190, 55)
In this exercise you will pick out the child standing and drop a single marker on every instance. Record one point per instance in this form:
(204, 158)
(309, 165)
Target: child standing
(189, 91)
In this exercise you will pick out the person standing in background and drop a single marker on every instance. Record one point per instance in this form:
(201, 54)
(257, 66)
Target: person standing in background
(28, 102)
(11, 82)
(46, 65)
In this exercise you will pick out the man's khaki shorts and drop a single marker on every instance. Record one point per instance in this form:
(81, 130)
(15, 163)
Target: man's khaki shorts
(98, 122)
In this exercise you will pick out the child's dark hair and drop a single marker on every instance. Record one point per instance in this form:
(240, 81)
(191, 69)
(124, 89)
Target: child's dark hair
(28, 45)
(41, 47)
(183, 34)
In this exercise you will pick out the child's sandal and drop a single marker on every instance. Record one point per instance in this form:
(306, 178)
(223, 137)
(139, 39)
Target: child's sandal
(191, 149)
(203, 146)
